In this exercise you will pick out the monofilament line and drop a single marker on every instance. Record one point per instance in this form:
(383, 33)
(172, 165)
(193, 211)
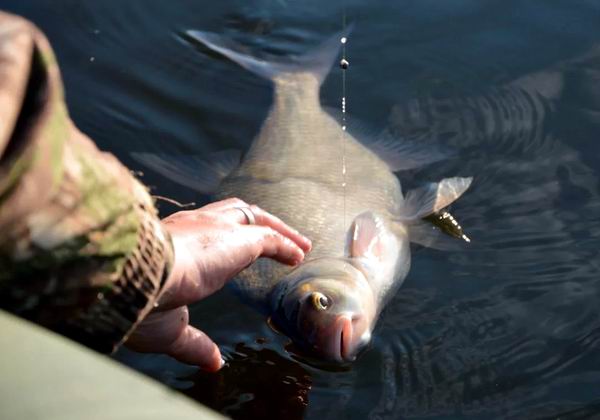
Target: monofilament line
(344, 67)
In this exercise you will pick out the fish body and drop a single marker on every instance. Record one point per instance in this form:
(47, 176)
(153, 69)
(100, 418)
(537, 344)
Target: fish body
(294, 169)
(336, 189)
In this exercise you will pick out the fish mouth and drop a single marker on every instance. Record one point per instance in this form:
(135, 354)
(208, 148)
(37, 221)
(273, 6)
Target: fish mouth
(345, 332)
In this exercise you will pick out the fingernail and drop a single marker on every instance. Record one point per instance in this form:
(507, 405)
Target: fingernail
(213, 366)
(309, 243)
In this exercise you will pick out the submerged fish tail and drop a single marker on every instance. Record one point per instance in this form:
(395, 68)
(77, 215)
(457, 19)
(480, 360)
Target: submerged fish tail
(316, 62)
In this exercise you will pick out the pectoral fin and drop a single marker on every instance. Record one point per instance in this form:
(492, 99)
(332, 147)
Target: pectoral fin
(200, 173)
(379, 248)
(421, 214)
(432, 197)
(365, 237)
(373, 239)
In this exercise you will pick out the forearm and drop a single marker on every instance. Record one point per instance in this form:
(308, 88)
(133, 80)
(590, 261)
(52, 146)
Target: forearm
(81, 248)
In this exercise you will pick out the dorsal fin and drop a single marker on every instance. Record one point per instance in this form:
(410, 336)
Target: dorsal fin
(405, 154)
(400, 154)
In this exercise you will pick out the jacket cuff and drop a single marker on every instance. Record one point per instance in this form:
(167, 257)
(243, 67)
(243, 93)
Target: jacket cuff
(117, 311)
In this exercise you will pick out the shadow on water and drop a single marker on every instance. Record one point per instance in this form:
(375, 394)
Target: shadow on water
(530, 334)
(256, 383)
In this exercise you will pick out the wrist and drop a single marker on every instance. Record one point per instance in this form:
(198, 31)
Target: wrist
(174, 291)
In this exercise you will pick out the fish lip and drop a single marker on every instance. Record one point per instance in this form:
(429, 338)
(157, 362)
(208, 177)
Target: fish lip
(345, 338)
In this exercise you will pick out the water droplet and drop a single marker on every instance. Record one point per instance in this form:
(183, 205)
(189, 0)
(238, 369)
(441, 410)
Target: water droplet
(343, 40)
(92, 59)
(344, 64)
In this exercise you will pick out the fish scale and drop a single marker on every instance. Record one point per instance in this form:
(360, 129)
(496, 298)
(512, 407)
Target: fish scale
(281, 174)
(311, 206)
(335, 188)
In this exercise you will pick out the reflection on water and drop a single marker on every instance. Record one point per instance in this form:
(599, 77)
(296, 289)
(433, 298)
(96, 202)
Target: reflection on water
(499, 353)
(507, 329)
(531, 332)
(256, 383)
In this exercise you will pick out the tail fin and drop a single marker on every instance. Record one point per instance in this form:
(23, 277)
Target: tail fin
(317, 61)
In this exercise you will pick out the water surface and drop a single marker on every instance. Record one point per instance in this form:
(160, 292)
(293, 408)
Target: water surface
(506, 329)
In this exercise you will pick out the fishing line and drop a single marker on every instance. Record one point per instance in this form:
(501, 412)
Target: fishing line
(344, 66)
(173, 201)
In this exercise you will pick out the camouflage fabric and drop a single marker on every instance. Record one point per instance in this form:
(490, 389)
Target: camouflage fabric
(81, 247)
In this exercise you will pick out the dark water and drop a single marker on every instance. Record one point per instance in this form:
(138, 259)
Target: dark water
(509, 328)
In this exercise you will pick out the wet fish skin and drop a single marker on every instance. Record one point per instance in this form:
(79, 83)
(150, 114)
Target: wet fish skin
(295, 169)
(349, 203)
(281, 174)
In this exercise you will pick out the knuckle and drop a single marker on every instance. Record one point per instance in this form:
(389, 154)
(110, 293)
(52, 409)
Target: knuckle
(183, 214)
(236, 201)
(288, 243)
(251, 258)
(202, 215)
(269, 234)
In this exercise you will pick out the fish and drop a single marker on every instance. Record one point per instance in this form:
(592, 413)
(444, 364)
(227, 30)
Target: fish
(339, 190)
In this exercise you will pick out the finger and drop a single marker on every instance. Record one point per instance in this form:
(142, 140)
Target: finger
(169, 332)
(158, 330)
(195, 348)
(265, 218)
(267, 242)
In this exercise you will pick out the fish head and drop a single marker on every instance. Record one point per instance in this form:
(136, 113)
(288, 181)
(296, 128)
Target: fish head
(328, 309)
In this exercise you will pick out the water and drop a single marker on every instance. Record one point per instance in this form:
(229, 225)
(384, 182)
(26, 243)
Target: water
(508, 329)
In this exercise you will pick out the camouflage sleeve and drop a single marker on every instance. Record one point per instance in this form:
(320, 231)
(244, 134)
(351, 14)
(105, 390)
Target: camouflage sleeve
(82, 250)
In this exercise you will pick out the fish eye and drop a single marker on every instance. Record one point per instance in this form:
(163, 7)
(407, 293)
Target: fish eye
(320, 301)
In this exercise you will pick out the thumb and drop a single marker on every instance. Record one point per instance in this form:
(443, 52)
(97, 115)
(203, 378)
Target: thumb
(195, 348)
(169, 332)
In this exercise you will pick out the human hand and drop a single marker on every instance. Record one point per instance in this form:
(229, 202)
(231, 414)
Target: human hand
(212, 244)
